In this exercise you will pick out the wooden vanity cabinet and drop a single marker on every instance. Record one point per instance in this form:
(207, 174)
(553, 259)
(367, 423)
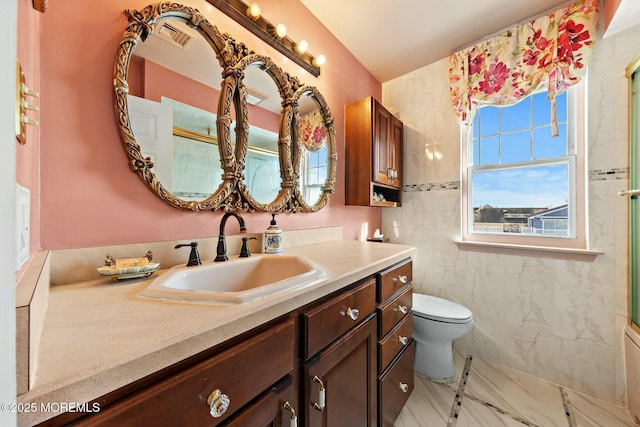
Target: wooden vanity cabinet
(394, 278)
(373, 154)
(270, 409)
(338, 361)
(395, 345)
(395, 385)
(240, 373)
(340, 369)
(344, 377)
(326, 322)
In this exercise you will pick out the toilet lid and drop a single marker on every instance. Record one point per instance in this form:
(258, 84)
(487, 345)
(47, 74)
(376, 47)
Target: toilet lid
(434, 308)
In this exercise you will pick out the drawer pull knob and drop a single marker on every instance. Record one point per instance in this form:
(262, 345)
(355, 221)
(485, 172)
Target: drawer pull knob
(218, 403)
(403, 309)
(353, 313)
(319, 406)
(403, 340)
(404, 387)
(293, 421)
(403, 279)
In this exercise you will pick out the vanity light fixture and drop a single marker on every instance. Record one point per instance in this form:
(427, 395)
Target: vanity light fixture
(302, 46)
(21, 119)
(269, 33)
(40, 5)
(254, 11)
(281, 30)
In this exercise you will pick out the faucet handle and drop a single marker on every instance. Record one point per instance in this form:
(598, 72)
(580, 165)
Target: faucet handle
(194, 256)
(244, 252)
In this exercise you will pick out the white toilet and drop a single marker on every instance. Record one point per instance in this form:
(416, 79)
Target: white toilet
(436, 323)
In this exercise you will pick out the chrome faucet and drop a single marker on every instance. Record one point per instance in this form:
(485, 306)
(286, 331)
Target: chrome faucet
(221, 251)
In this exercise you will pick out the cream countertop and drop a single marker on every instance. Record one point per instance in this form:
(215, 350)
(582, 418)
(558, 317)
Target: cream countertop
(99, 335)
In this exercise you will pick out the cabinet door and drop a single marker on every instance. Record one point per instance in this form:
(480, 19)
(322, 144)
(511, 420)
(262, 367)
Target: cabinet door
(340, 384)
(381, 145)
(395, 150)
(276, 408)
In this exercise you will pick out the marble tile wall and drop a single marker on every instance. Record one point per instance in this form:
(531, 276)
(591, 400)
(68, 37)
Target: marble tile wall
(559, 320)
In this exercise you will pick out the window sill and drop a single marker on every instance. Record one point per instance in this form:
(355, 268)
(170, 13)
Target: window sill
(528, 250)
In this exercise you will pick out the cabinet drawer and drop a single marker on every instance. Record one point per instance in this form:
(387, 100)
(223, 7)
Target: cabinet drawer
(394, 278)
(394, 342)
(241, 372)
(328, 321)
(395, 386)
(393, 311)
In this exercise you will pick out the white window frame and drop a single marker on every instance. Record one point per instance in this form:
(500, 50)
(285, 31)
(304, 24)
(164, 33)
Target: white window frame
(305, 167)
(576, 160)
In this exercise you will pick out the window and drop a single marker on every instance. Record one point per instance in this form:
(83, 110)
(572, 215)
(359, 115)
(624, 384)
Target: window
(314, 173)
(520, 182)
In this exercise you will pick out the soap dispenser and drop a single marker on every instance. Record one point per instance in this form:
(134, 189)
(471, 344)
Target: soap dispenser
(273, 237)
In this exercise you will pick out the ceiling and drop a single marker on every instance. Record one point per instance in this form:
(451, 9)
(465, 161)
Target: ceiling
(394, 37)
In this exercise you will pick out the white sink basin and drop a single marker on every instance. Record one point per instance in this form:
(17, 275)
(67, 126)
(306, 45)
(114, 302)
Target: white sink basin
(237, 280)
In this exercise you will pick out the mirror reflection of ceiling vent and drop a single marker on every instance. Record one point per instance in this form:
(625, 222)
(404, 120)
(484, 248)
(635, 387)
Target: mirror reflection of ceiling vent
(174, 35)
(255, 97)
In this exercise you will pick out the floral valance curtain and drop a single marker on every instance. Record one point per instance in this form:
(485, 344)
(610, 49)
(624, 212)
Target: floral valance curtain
(554, 48)
(314, 133)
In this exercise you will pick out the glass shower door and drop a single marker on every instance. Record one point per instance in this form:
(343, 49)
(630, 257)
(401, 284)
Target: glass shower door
(633, 73)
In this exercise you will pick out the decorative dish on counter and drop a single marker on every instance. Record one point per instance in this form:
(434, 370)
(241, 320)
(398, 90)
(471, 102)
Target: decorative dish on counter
(128, 268)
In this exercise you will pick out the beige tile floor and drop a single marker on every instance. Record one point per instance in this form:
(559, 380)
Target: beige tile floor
(497, 396)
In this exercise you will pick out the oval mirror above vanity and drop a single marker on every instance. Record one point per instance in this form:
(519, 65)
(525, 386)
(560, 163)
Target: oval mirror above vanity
(266, 163)
(315, 155)
(208, 124)
(167, 68)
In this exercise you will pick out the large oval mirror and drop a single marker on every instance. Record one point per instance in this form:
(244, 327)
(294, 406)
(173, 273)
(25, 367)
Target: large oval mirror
(315, 156)
(169, 63)
(266, 162)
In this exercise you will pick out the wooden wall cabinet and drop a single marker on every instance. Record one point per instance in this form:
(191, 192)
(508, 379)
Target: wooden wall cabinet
(373, 155)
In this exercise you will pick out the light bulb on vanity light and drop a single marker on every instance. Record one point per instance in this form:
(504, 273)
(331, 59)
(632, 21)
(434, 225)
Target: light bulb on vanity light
(303, 46)
(320, 60)
(254, 11)
(281, 30)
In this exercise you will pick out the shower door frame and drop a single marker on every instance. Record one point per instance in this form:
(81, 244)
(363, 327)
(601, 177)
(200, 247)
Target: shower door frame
(633, 75)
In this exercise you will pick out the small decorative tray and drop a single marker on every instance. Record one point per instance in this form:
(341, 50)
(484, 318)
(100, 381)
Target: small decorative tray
(130, 268)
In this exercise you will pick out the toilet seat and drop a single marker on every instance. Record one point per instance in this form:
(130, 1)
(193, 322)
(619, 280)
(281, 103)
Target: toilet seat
(440, 310)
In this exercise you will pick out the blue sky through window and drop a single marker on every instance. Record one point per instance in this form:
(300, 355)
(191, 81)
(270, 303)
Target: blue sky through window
(528, 187)
(514, 134)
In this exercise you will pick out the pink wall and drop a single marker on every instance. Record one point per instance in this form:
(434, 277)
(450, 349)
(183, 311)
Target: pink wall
(610, 8)
(89, 195)
(28, 155)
